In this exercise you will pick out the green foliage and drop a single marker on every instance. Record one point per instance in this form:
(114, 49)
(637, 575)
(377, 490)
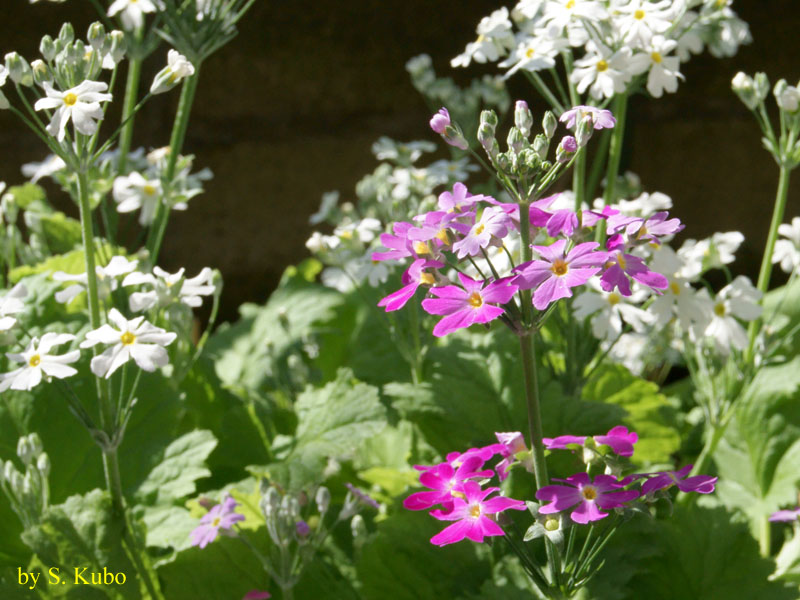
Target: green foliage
(787, 562)
(759, 457)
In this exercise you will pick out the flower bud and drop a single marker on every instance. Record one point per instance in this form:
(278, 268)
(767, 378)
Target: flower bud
(118, 45)
(270, 502)
(302, 529)
(18, 69)
(566, 149)
(786, 96)
(96, 35)
(549, 124)
(540, 146)
(323, 499)
(487, 140)
(529, 161)
(516, 141)
(503, 162)
(47, 47)
(24, 450)
(43, 464)
(35, 443)
(744, 87)
(67, 33)
(178, 68)
(358, 528)
(8, 471)
(27, 484)
(761, 85)
(490, 118)
(523, 119)
(41, 72)
(585, 130)
(440, 121)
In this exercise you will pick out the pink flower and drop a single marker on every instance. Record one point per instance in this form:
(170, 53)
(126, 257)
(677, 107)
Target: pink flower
(601, 119)
(785, 516)
(440, 121)
(256, 595)
(222, 516)
(512, 443)
(702, 484)
(621, 265)
(619, 439)
(414, 277)
(493, 225)
(558, 272)
(460, 199)
(442, 478)
(591, 497)
(470, 514)
(398, 244)
(472, 304)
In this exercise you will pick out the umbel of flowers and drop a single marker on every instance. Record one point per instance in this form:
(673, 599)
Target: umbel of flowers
(458, 254)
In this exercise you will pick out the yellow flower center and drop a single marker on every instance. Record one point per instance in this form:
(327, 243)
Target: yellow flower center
(475, 300)
(602, 65)
(475, 511)
(589, 492)
(719, 309)
(426, 278)
(149, 190)
(70, 99)
(560, 267)
(481, 38)
(346, 235)
(461, 495)
(614, 298)
(127, 338)
(421, 248)
(442, 235)
(216, 522)
(479, 229)
(35, 360)
(721, 3)
(621, 261)
(656, 57)
(570, 5)
(675, 288)
(529, 53)
(638, 15)
(551, 524)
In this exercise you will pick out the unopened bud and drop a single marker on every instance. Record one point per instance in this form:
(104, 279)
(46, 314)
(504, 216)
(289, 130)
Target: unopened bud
(503, 162)
(585, 130)
(41, 72)
(302, 529)
(24, 450)
(96, 35)
(8, 471)
(567, 148)
(516, 141)
(270, 502)
(323, 499)
(18, 69)
(487, 140)
(529, 161)
(549, 124)
(786, 96)
(540, 146)
(489, 117)
(358, 528)
(27, 484)
(48, 48)
(67, 33)
(761, 86)
(118, 45)
(523, 119)
(35, 443)
(43, 464)
(744, 86)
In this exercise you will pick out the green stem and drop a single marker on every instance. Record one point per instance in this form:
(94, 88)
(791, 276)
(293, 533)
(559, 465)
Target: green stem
(766, 261)
(131, 91)
(615, 151)
(765, 536)
(175, 147)
(87, 235)
(579, 179)
(534, 413)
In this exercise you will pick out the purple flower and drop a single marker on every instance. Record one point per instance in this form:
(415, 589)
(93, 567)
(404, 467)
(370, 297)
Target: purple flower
(302, 529)
(567, 148)
(591, 497)
(785, 516)
(558, 272)
(619, 439)
(460, 199)
(470, 514)
(512, 444)
(702, 484)
(655, 227)
(440, 121)
(256, 595)
(601, 119)
(563, 221)
(362, 497)
(398, 244)
(493, 225)
(414, 277)
(221, 516)
(621, 265)
(472, 304)
(442, 478)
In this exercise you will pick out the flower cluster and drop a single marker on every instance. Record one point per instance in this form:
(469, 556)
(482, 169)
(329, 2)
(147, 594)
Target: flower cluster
(615, 43)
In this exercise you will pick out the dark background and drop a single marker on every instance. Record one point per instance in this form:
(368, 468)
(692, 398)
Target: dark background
(290, 108)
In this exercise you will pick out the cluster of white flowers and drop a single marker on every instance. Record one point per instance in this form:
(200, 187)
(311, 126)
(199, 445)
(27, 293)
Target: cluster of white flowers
(611, 41)
(396, 190)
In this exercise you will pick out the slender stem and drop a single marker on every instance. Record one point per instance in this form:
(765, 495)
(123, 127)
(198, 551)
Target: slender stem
(87, 234)
(131, 91)
(766, 261)
(579, 180)
(175, 146)
(534, 414)
(765, 536)
(615, 151)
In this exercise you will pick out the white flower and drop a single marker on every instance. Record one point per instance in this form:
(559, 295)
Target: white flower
(178, 68)
(446, 171)
(533, 54)
(49, 166)
(787, 251)
(606, 71)
(645, 205)
(11, 304)
(787, 97)
(136, 339)
(106, 279)
(630, 350)
(364, 230)
(81, 104)
(570, 14)
(168, 287)
(732, 33)
(689, 37)
(664, 70)
(132, 192)
(132, 11)
(694, 311)
(710, 253)
(326, 207)
(641, 19)
(611, 311)
(37, 360)
(4, 103)
(493, 41)
(739, 299)
(388, 149)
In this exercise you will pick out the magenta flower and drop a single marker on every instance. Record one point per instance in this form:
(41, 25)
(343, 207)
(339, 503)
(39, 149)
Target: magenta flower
(398, 244)
(619, 439)
(557, 272)
(460, 199)
(442, 478)
(653, 228)
(470, 514)
(601, 119)
(785, 516)
(620, 266)
(591, 497)
(493, 225)
(256, 595)
(414, 277)
(472, 304)
(221, 516)
(563, 221)
(512, 444)
(702, 484)
(440, 121)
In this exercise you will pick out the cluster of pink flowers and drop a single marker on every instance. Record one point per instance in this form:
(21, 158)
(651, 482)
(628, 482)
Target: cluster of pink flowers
(456, 485)
(464, 227)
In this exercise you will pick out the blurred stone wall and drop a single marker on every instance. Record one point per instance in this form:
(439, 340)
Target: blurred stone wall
(290, 109)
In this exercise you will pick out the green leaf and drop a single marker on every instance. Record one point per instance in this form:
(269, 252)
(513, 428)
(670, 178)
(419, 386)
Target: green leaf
(787, 563)
(61, 232)
(27, 195)
(332, 422)
(182, 465)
